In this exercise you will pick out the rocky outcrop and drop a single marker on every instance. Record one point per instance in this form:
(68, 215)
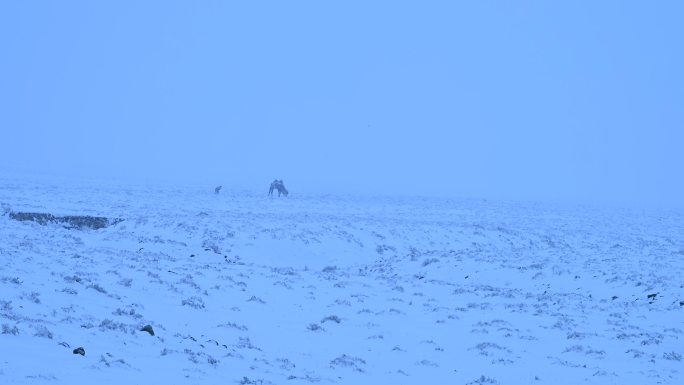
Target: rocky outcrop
(69, 221)
(148, 328)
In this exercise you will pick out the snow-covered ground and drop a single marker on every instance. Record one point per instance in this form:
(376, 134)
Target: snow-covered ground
(244, 289)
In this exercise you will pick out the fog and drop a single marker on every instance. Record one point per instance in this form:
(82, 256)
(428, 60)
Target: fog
(577, 102)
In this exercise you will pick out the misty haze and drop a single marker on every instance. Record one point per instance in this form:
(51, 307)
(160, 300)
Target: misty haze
(354, 193)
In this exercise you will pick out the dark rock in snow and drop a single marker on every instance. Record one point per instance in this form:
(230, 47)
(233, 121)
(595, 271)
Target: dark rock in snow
(148, 328)
(80, 351)
(70, 221)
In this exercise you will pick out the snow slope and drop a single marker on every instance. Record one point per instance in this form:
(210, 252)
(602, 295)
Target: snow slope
(240, 288)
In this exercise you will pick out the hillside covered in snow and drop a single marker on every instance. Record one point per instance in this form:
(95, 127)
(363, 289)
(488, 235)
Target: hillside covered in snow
(184, 286)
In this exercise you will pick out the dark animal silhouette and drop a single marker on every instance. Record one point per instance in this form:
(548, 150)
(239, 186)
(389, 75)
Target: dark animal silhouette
(278, 185)
(217, 189)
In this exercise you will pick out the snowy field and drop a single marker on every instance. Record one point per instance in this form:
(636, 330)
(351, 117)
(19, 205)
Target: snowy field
(243, 289)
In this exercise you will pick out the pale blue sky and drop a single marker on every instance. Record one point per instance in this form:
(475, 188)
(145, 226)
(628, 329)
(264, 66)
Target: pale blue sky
(560, 100)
